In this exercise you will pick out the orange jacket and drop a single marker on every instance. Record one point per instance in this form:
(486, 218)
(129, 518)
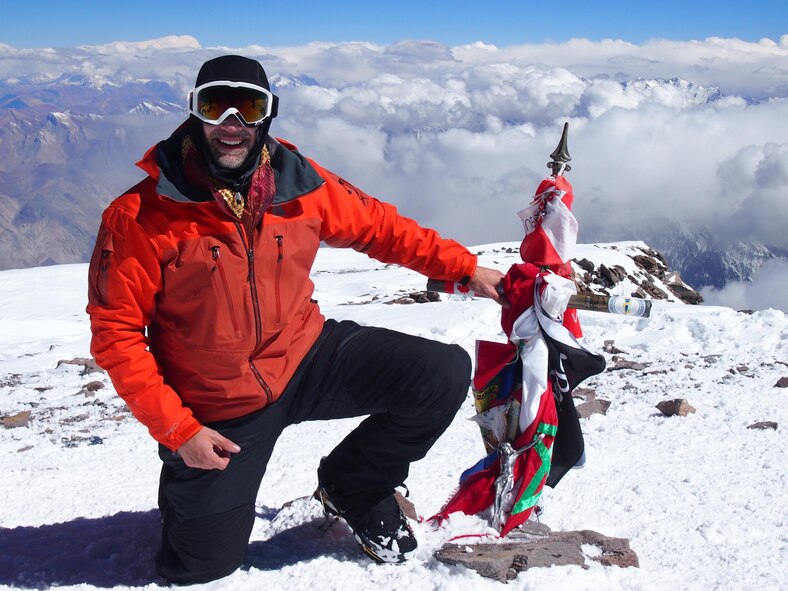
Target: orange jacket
(195, 322)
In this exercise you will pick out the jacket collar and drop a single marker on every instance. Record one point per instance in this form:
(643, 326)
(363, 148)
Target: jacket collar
(293, 174)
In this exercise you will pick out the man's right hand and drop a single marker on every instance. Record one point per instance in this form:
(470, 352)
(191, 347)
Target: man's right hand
(208, 450)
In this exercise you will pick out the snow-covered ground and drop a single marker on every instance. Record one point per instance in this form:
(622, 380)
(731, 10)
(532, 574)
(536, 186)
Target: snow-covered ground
(701, 498)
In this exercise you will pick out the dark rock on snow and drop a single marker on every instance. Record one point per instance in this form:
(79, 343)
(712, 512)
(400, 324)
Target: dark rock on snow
(536, 546)
(763, 425)
(676, 407)
(20, 419)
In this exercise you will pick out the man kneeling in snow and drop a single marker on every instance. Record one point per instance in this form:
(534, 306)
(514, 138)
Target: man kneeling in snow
(202, 314)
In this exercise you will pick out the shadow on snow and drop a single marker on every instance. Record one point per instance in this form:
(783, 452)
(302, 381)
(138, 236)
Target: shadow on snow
(118, 550)
(103, 552)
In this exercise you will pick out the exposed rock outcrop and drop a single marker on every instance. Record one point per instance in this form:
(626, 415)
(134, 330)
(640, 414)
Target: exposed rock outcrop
(536, 546)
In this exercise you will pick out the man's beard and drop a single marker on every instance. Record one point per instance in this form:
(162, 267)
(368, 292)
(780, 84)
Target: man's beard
(230, 159)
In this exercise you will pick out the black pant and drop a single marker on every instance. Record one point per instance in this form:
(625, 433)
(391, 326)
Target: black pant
(411, 387)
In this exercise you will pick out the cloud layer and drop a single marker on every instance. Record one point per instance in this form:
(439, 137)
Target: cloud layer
(767, 291)
(458, 137)
(689, 130)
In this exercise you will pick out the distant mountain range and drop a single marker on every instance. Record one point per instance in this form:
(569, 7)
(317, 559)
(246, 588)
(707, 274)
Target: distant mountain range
(68, 143)
(693, 250)
(68, 147)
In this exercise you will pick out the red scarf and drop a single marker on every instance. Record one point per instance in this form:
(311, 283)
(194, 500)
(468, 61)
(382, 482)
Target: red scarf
(248, 210)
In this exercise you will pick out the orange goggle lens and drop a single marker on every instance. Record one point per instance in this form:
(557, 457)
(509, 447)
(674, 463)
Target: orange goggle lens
(211, 103)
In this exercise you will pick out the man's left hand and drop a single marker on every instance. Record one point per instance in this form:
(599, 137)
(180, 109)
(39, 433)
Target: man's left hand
(489, 282)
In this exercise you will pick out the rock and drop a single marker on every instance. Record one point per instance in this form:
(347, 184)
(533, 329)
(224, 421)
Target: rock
(587, 394)
(676, 407)
(612, 276)
(648, 263)
(74, 419)
(655, 255)
(652, 290)
(408, 508)
(417, 297)
(20, 419)
(503, 561)
(93, 386)
(782, 383)
(402, 300)
(586, 265)
(530, 531)
(621, 363)
(596, 406)
(10, 380)
(291, 502)
(609, 347)
(763, 425)
(88, 364)
(423, 297)
(591, 404)
(685, 294)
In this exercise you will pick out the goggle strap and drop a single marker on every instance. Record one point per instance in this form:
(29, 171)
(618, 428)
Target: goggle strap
(274, 106)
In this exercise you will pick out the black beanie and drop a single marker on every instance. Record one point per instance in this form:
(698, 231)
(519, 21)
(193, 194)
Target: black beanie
(234, 68)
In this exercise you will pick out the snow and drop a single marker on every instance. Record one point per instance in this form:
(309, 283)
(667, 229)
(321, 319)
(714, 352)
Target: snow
(701, 498)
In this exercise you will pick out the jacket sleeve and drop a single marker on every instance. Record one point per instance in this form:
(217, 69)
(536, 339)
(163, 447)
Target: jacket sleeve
(352, 218)
(123, 279)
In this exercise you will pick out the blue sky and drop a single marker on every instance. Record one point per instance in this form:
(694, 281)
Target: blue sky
(49, 23)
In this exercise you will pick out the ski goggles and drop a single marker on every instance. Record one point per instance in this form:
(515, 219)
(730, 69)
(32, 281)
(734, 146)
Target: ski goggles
(214, 102)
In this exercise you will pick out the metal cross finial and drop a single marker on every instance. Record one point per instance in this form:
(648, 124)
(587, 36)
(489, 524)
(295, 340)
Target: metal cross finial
(560, 155)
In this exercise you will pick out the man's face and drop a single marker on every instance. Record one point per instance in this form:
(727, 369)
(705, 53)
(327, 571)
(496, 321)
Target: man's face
(229, 142)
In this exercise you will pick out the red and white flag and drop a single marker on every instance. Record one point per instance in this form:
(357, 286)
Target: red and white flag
(522, 387)
(550, 227)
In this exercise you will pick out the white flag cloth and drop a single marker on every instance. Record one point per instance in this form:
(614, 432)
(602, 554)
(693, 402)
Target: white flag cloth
(551, 296)
(549, 214)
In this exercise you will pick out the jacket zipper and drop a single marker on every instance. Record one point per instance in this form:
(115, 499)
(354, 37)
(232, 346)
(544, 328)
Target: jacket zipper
(216, 255)
(258, 322)
(280, 257)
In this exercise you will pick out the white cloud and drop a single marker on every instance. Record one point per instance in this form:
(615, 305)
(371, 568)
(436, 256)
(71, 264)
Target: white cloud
(458, 137)
(754, 184)
(735, 66)
(769, 290)
(168, 42)
(639, 151)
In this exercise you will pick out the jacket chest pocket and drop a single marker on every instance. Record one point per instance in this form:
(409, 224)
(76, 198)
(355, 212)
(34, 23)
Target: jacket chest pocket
(273, 278)
(283, 261)
(223, 291)
(204, 293)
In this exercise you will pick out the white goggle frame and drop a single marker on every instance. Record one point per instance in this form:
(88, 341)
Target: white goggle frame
(193, 94)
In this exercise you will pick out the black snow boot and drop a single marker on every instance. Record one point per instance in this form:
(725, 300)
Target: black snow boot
(382, 530)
